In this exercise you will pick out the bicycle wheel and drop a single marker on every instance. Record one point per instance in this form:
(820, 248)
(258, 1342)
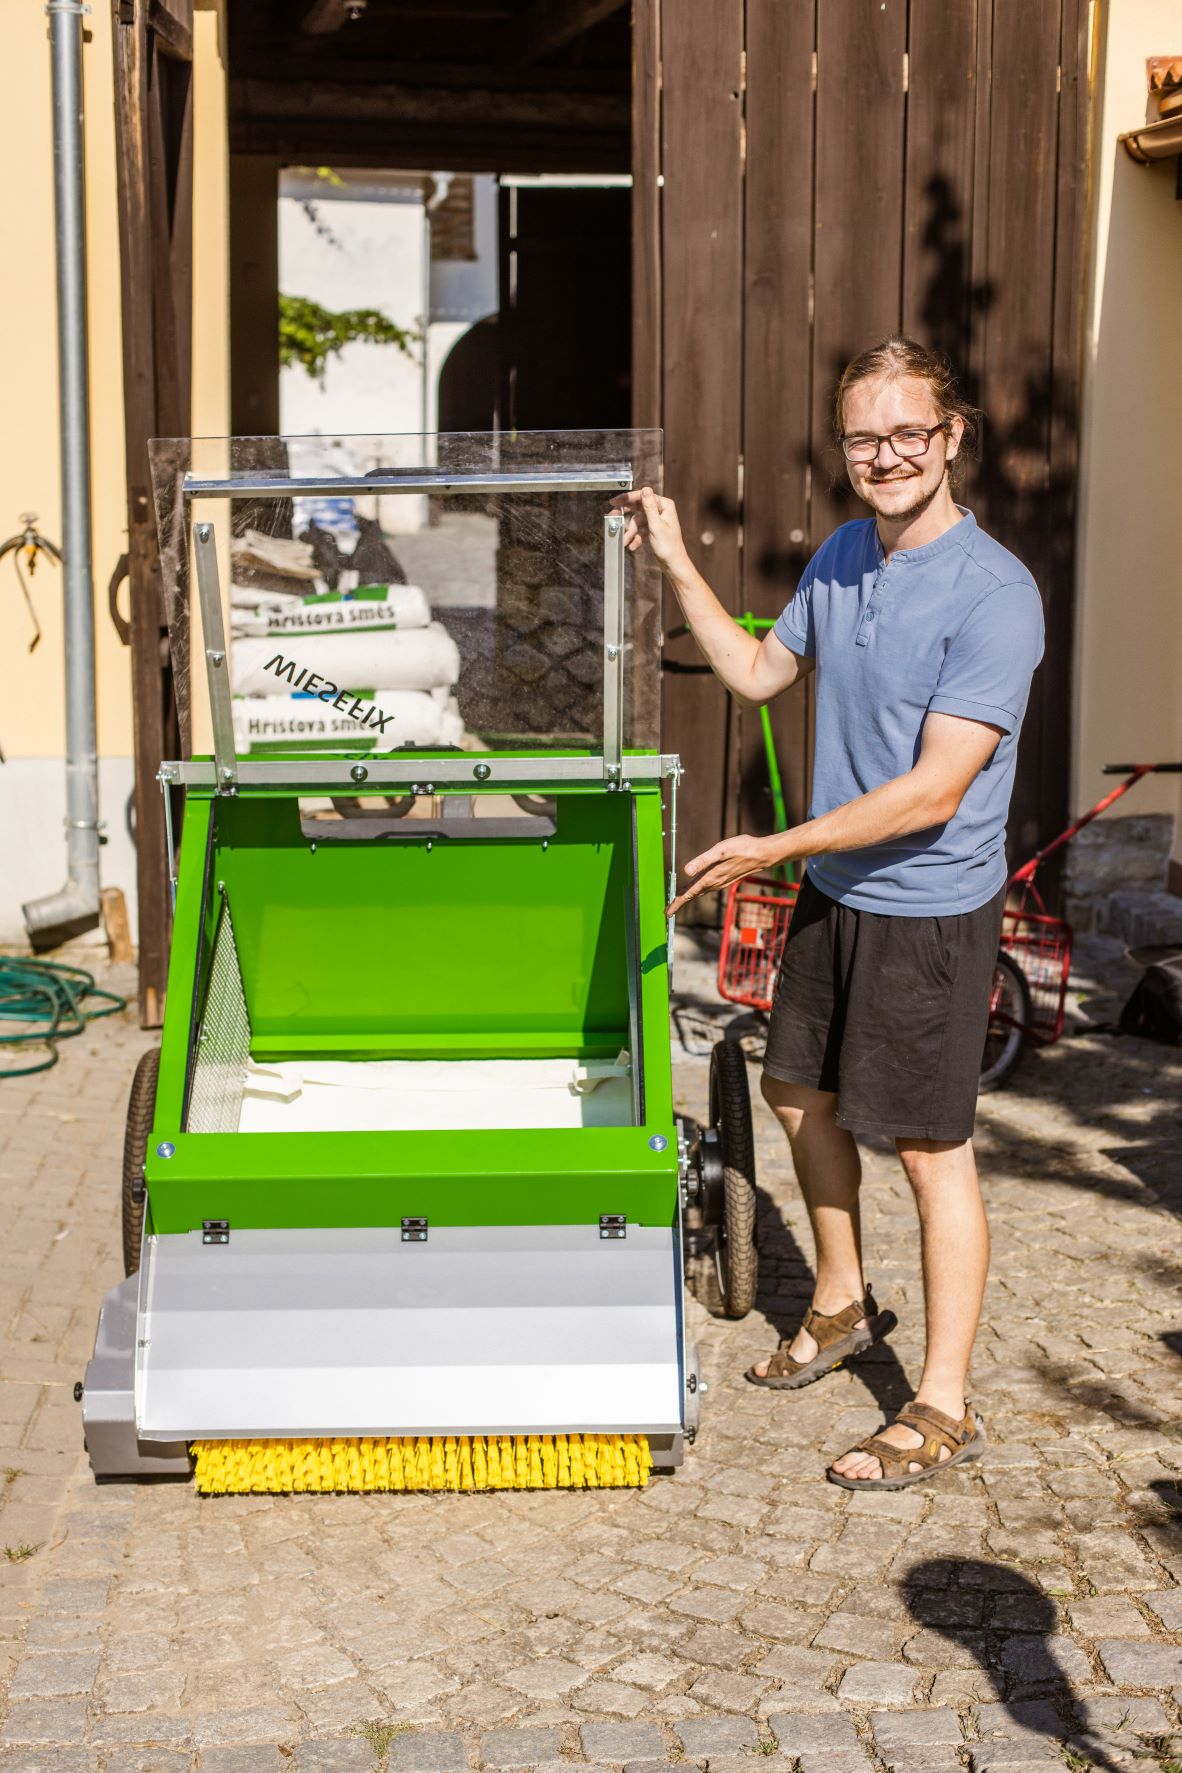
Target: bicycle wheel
(736, 1258)
(1009, 1023)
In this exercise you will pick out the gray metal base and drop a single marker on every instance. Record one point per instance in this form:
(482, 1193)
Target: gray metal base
(108, 1398)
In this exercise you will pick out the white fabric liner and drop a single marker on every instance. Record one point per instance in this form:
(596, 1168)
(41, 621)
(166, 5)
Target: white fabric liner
(426, 1095)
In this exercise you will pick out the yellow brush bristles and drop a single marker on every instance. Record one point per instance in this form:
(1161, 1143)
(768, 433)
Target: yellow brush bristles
(454, 1462)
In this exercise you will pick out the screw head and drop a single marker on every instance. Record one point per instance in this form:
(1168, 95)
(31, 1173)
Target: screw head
(77, 1391)
(166, 1148)
(658, 1142)
(482, 772)
(359, 773)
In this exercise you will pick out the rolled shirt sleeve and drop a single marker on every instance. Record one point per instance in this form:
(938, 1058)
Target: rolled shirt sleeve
(794, 625)
(991, 659)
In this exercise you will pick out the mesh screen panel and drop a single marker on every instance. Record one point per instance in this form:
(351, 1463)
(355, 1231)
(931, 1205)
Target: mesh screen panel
(223, 1041)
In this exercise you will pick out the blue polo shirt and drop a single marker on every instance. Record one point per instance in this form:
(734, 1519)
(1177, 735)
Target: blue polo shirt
(954, 627)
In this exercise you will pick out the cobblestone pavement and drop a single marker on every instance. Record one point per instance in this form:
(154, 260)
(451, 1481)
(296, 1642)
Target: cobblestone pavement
(1020, 1614)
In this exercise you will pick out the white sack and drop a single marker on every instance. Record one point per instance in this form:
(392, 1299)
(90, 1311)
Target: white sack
(400, 606)
(393, 659)
(418, 719)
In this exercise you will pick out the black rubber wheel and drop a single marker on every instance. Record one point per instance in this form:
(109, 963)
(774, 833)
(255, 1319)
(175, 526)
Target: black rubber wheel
(141, 1110)
(1009, 1023)
(735, 1254)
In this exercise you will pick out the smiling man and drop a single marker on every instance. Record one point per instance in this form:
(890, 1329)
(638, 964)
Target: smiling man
(923, 633)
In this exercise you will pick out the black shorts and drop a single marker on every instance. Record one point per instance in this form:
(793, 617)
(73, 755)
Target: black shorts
(889, 1013)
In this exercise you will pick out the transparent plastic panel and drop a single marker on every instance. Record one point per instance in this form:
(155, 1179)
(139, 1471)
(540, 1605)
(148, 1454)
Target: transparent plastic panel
(381, 594)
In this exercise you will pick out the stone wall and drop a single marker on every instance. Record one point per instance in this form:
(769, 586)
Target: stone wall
(1115, 879)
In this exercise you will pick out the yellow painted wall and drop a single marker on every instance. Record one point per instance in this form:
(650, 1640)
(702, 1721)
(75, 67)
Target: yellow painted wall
(32, 714)
(1128, 680)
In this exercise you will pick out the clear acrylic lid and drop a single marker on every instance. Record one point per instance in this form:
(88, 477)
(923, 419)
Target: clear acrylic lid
(333, 598)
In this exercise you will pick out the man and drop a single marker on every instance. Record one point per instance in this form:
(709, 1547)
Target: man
(924, 634)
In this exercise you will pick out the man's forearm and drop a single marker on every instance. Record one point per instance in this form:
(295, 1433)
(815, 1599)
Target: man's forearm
(730, 650)
(908, 803)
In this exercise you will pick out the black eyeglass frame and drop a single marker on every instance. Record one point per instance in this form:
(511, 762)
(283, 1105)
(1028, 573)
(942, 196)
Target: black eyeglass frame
(880, 438)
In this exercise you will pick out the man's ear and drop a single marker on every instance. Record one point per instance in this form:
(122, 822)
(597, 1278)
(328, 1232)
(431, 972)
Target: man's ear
(955, 433)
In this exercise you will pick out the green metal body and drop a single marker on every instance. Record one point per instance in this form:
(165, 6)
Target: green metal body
(460, 947)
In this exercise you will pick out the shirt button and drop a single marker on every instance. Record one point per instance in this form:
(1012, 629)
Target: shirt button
(870, 614)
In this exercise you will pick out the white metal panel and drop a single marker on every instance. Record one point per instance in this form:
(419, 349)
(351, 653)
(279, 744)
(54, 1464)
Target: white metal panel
(536, 1329)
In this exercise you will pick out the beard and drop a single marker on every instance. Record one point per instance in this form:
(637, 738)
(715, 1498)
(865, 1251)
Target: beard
(919, 503)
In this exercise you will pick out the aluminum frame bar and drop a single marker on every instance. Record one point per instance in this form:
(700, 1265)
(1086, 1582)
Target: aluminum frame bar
(614, 478)
(613, 645)
(423, 775)
(221, 705)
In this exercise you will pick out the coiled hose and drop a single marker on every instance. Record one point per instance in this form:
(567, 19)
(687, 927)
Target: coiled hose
(52, 1000)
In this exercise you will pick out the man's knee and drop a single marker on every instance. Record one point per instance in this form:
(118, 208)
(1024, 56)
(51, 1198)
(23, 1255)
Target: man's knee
(930, 1162)
(790, 1102)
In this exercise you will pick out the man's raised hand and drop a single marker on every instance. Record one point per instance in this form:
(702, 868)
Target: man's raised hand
(653, 519)
(731, 860)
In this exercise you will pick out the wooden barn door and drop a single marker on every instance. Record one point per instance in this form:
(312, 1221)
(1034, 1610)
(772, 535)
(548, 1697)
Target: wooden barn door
(154, 137)
(809, 176)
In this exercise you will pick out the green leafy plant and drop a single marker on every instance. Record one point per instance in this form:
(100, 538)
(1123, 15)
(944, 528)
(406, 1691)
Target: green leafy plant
(1076, 1763)
(378, 1735)
(310, 334)
(11, 1473)
(16, 1554)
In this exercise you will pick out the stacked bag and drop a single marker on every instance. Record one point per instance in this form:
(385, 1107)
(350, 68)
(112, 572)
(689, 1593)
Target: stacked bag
(361, 665)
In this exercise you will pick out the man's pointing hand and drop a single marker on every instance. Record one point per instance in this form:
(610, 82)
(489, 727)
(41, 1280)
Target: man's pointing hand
(730, 860)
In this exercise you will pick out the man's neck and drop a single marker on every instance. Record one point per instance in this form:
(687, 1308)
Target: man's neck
(912, 532)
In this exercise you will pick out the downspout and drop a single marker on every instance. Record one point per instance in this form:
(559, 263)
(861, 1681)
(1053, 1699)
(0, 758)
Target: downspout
(76, 907)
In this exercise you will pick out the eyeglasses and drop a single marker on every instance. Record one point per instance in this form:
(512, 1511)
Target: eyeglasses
(913, 440)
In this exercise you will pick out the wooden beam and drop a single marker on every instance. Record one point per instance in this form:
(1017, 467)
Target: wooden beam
(329, 100)
(171, 22)
(546, 25)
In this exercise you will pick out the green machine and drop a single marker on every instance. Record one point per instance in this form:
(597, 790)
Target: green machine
(404, 1185)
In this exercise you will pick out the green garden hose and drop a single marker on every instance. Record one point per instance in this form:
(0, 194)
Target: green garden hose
(51, 999)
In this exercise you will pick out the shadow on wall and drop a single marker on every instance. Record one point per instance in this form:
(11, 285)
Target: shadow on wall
(991, 1615)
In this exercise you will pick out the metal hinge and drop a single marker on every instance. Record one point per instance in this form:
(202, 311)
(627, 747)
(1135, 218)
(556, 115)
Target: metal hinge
(215, 1231)
(414, 1231)
(613, 1225)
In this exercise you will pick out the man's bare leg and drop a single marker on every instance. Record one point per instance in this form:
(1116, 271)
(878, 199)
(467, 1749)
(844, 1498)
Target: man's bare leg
(954, 1239)
(829, 1171)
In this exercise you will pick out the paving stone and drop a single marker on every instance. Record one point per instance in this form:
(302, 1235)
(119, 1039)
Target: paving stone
(1167, 1605)
(65, 1760)
(548, 1678)
(258, 1757)
(1015, 1757)
(162, 1760)
(701, 1737)
(915, 1731)
(878, 1683)
(622, 1742)
(345, 1754)
(1023, 1720)
(655, 1673)
(62, 1721)
(728, 1692)
(519, 1748)
(858, 1635)
(612, 1697)
(50, 1675)
(1051, 1660)
(1131, 1664)
(421, 1752)
(1107, 1616)
(799, 1734)
(257, 1723)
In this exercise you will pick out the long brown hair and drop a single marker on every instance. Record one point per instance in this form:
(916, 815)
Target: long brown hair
(900, 356)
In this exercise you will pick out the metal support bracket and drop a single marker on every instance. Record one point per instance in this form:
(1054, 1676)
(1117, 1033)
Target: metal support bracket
(216, 658)
(215, 1231)
(414, 1231)
(613, 648)
(613, 1225)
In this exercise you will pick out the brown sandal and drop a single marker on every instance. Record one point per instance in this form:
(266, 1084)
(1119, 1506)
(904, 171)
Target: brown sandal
(964, 1440)
(837, 1338)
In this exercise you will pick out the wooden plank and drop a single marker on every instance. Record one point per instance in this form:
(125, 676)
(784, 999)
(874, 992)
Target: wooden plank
(703, 368)
(323, 100)
(646, 213)
(777, 370)
(1071, 248)
(171, 24)
(859, 203)
(1015, 366)
(153, 711)
(547, 25)
(938, 180)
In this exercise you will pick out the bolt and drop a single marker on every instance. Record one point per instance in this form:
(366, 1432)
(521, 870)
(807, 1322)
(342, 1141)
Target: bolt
(613, 652)
(614, 525)
(227, 775)
(359, 773)
(313, 848)
(77, 1391)
(203, 532)
(482, 772)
